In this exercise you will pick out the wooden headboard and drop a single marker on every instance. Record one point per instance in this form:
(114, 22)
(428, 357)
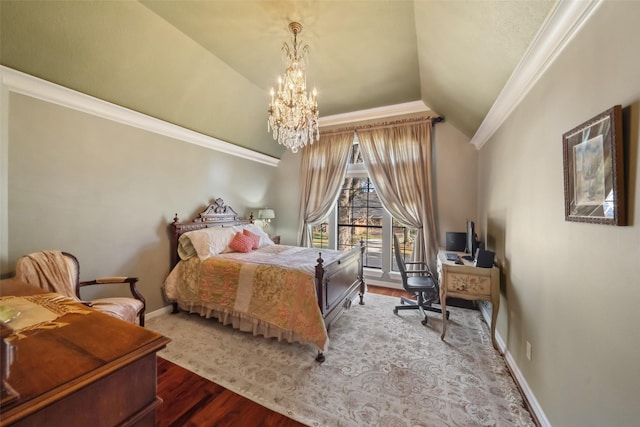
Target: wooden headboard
(215, 215)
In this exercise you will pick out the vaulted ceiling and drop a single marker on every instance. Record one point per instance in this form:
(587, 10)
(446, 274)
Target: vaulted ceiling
(209, 65)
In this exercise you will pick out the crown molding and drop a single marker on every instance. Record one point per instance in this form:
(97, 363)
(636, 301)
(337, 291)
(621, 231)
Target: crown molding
(564, 21)
(25, 84)
(374, 113)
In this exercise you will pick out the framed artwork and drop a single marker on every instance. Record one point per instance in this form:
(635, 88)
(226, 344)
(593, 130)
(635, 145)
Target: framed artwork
(594, 170)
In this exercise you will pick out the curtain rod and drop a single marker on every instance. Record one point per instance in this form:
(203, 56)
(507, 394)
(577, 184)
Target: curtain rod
(382, 125)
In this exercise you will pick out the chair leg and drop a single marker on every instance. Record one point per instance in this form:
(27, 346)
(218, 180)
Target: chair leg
(409, 304)
(430, 307)
(405, 300)
(424, 315)
(406, 304)
(419, 304)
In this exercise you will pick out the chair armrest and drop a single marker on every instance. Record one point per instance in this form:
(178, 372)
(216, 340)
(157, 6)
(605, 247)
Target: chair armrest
(414, 262)
(109, 280)
(428, 272)
(422, 271)
(114, 280)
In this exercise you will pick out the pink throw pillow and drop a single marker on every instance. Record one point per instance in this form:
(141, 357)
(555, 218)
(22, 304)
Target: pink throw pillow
(255, 239)
(241, 243)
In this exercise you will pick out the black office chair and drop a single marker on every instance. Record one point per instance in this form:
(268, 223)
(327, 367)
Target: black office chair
(424, 286)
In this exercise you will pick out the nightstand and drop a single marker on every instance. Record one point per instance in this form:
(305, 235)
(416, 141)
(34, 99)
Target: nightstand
(275, 238)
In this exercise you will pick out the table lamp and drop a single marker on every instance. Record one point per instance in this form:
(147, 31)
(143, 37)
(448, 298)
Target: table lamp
(266, 215)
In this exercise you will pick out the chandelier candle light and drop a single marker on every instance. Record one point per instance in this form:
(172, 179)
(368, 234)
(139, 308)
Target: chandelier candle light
(293, 114)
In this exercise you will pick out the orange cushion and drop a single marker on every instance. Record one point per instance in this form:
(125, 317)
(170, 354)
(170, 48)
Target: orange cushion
(241, 243)
(255, 239)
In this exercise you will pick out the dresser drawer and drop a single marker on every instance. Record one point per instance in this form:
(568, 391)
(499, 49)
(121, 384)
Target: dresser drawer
(469, 284)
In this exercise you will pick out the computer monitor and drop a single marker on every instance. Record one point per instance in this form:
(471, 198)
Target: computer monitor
(456, 241)
(472, 242)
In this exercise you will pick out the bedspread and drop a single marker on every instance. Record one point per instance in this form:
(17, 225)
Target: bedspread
(279, 296)
(295, 257)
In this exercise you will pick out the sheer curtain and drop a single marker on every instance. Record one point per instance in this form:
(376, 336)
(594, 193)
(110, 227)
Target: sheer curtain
(322, 170)
(398, 160)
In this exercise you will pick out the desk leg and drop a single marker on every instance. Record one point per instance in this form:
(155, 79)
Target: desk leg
(495, 304)
(443, 305)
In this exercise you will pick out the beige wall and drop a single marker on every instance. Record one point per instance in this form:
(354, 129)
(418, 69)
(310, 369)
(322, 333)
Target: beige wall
(122, 52)
(570, 289)
(456, 171)
(106, 192)
(285, 191)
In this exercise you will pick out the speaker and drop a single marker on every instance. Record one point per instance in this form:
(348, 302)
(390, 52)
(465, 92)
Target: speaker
(455, 241)
(484, 258)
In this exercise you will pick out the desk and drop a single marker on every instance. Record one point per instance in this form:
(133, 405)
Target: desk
(85, 368)
(470, 283)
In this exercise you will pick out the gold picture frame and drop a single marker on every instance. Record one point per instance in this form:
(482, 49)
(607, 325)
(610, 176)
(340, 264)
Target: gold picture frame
(594, 170)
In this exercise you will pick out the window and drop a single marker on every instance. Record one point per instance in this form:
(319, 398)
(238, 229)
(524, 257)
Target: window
(320, 235)
(359, 215)
(406, 239)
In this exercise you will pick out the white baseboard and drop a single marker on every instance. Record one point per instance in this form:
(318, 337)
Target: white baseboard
(158, 312)
(538, 413)
(381, 283)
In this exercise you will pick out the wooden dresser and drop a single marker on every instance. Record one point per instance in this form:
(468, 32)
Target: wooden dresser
(85, 369)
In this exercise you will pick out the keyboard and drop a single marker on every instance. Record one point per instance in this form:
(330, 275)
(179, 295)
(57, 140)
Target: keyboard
(451, 256)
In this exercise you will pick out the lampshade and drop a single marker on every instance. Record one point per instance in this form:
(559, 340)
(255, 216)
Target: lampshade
(266, 214)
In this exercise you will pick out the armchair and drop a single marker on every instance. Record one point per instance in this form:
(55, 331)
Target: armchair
(57, 271)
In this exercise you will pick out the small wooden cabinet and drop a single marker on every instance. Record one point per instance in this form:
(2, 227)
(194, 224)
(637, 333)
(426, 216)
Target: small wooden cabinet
(471, 283)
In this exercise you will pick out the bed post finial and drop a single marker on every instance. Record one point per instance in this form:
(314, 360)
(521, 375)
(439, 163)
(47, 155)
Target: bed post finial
(175, 219)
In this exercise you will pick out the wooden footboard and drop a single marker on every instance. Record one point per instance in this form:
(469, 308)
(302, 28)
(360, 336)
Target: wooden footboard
(338, 282)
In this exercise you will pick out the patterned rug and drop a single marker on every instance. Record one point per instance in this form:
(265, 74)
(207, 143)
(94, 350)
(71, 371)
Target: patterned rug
(381, 369)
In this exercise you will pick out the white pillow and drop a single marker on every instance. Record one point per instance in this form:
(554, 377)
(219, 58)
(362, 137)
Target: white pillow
(204, 243)
(264, 237)
(185, 248)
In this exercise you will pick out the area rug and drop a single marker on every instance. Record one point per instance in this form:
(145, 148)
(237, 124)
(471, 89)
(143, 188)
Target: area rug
(381, 369)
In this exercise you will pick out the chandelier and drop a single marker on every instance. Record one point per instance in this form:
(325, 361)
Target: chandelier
(293, 114)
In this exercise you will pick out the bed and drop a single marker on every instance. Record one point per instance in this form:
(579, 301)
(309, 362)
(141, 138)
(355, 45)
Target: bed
(226, 267)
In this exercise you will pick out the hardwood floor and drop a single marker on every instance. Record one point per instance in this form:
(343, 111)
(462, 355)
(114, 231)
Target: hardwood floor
(191, 400)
